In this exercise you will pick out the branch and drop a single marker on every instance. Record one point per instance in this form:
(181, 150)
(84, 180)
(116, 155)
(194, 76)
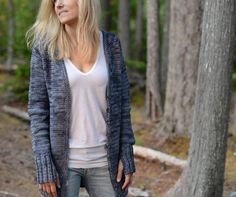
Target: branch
(151, 154)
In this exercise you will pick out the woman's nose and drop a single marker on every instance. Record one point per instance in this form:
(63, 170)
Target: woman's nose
(58, 2)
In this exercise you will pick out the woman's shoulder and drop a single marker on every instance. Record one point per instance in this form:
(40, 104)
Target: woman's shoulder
(39, 49)
(36, 51)
(112, 37)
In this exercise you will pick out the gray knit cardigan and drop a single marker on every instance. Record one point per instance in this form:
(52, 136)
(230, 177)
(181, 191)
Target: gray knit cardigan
(49, 108)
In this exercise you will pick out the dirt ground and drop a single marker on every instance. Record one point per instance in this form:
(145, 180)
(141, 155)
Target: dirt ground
(18, 172)
(17, 168)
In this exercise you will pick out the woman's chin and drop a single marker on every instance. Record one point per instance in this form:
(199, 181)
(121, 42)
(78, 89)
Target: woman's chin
(67, 22)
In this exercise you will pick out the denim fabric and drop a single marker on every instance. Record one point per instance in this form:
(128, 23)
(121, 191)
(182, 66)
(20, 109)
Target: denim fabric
(49, 109)
(96, 181)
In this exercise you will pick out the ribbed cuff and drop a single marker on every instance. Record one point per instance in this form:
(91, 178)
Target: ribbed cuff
(45, 169)
(127, 159)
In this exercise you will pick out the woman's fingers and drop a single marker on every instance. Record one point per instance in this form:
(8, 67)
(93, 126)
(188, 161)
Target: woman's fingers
(44, 187)
(120, 170)
(40, 186)
(49, 188)
(58, 182)
(53, 189)
(128, 181)
(128, 177)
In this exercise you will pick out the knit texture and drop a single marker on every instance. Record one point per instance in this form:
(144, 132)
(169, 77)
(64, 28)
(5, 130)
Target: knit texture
(49, 105)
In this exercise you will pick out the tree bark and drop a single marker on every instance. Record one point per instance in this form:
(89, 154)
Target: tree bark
(124, 26)
(106, 24)
(139, 30)
(153, 99)
(184, 43)
(165, 50)
(204, 175)
(11, 34)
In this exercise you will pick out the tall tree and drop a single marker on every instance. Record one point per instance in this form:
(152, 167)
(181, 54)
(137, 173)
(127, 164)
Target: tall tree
(165, 49)
(106, 23)
(204, 175)
(139, 30)
(11, 34)
(124, 26)
(184, 42)
(153, 99)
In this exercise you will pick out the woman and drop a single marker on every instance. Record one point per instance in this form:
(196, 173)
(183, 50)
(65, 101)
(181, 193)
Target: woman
(79, 103)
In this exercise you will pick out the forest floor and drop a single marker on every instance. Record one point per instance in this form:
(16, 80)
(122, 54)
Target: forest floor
(18, 171)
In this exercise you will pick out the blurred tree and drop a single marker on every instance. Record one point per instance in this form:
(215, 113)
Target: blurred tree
(153, 99)
(204, 174)
(3, 30)
(107, 16)
(11, 35)
(124, 26)
(139, 29)
(165, 50)
(184, 42)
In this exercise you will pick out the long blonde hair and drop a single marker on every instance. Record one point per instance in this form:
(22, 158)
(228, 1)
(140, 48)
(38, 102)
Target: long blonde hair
(51, 35)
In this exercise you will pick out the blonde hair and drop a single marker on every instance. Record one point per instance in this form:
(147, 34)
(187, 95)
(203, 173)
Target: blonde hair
(51, 35)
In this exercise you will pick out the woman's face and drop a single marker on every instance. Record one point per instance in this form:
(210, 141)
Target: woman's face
(66, 11)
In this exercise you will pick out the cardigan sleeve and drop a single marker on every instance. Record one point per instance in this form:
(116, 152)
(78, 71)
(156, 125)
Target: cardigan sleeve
(127, 138)
(38, 110)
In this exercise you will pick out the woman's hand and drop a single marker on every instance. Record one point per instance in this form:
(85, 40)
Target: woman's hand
(128, 177)
(50, 188)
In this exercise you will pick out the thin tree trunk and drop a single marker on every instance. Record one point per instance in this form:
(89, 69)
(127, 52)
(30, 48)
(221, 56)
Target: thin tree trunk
(153, 99)
(184, 43)
(11, 34)
(107, 17)
(165, 50)
(204, 175)
(139, 30)
(124, 26)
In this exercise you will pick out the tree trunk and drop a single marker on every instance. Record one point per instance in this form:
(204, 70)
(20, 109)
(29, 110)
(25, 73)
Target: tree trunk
(184, 45)
(165, 50)
(124, 26)
(106, 23)
(153, 99)
(139, 30)
(204, 175)
(11, 34)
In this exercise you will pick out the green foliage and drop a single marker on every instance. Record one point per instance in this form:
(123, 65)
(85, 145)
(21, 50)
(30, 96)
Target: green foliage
(137, 98)
(234, 82)
(234, 72)
(18, 84)
(114, 8)
(25, 16)
(3, 29)
(134, 64)
(138, 139)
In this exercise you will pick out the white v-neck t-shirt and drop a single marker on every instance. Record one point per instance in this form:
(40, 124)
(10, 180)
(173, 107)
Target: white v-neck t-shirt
(87, 137)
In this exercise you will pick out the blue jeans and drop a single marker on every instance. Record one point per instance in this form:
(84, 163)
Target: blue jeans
(96, 181)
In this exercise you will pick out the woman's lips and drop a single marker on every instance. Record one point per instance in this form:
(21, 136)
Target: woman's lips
(62, 13)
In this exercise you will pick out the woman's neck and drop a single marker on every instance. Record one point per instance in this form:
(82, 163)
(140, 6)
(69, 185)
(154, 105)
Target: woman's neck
(71, 30)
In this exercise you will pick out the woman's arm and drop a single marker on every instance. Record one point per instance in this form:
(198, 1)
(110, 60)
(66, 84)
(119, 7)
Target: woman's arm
(127, 136)
(38, 110)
